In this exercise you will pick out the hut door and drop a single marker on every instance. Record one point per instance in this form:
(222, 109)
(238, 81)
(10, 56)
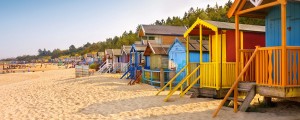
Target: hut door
(180, 59)
(293, 29)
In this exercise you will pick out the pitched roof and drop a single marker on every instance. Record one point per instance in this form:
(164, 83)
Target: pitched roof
(108, 51)
(138, 42)
(260, 13)
(138, 48)
(116, 52)
(163, 30)
(156, 49)
(126, 49)
(150, 41)
(231, 26)
(209, 26)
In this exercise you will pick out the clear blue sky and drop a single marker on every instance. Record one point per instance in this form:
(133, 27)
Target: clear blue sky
(27, 25)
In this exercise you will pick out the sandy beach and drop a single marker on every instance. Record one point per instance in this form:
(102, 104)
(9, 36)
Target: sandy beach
(56, 94)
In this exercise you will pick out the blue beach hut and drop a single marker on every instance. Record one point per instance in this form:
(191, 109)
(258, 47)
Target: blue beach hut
(177, 55)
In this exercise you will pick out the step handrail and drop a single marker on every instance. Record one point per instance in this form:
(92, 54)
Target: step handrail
(190, 86)
(125, 68)
(102, 64)
(172, 80)
(236, 83)
(179, 85)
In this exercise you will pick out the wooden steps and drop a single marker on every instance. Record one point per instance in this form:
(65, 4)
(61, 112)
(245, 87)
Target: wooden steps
(137, 78)
(248, 88)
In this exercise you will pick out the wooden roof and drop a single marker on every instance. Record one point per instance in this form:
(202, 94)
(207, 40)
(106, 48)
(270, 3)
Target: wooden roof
(150, 41)
(116, 52)
(260, 13)
(156, 49)
(108, 51)
(161, 30)
(138, 42)
(209, 27)
(138, 48)
(126, 49)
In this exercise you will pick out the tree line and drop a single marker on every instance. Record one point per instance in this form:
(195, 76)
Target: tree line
(215, 13)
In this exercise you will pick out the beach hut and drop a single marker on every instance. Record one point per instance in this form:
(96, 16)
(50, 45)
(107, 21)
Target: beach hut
(135, 60)
(277, 71)
(158, 34)
(125, 54)
(116, 60)
(156, 64)
(107, 65)
(216, 76)
(177, 55)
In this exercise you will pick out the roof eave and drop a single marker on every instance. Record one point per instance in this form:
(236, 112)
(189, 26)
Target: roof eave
(233, 8)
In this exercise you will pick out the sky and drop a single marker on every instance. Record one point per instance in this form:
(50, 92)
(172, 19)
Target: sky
(29, 25)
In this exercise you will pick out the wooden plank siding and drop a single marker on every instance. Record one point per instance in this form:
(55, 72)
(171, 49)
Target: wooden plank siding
(168, 40)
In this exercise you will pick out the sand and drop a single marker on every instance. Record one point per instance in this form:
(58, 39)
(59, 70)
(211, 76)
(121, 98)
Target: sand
(56, 94)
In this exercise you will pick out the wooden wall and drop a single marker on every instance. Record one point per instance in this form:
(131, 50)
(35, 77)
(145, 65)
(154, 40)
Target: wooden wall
(250, 40)
(168, 40)
(273, 25)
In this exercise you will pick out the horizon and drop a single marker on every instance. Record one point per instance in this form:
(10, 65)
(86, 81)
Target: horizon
(27, 26)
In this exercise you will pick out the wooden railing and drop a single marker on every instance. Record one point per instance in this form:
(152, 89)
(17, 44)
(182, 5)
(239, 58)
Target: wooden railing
(209, 74)
(193, 66)
(293, 66)
(269, 66)
(228, 74)
(152, 77)
(170, 83)
(249, 75)
(235, 84)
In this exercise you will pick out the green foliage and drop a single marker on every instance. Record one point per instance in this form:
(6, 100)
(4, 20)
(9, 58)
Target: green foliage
(215, 13)
(93, 66)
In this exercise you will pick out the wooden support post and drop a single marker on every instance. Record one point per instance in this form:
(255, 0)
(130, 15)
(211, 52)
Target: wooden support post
(237, 61)
(283, 44)
(200, 41)
(218, 59)
(267, 101)
(162, 78)
(187, 58)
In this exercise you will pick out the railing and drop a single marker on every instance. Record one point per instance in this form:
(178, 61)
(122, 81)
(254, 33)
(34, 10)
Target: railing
(269, 66)
(183, 82)
(193, 66)
(152, 77)
(235, 84)
(171, 82)
(249, 75)
(209, 74)
(102, 66)
(124, 66)
(107, 68)
(293, 66)
(228, 75)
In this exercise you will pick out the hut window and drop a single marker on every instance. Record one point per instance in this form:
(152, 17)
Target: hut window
(151, 38)
(144, 37)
